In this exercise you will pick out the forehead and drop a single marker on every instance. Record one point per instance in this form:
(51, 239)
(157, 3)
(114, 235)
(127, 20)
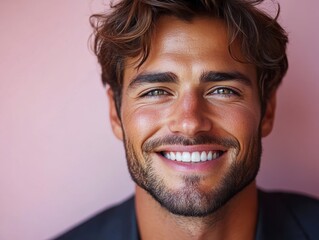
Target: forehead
(172, 34)
(196, 46)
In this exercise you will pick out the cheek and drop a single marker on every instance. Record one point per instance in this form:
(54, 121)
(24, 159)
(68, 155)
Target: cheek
(141, 123)
(241, 122)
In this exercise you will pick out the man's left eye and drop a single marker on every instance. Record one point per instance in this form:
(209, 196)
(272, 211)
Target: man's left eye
(224, 91)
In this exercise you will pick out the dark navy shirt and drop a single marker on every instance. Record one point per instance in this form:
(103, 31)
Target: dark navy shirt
(281, 216)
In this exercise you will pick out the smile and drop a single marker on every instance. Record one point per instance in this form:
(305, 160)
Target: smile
(192, 157)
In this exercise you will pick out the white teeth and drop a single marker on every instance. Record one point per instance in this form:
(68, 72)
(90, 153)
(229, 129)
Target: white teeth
(186, 157)
(203, 157)
(195, 157)
(214, 155)
(179, 156)
(191, 156)
(173, 157)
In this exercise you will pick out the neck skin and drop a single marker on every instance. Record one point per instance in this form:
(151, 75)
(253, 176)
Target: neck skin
(235, 220)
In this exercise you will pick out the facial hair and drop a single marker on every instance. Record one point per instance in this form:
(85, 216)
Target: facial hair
(190, 200)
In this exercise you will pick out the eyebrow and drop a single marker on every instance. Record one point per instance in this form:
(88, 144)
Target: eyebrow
(212, 76)
(162, 77)
(207, 76)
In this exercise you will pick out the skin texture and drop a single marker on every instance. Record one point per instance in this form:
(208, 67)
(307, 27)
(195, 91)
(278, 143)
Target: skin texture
(187, 112)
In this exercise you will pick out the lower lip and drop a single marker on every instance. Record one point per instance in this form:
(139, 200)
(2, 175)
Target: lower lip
(191, 166)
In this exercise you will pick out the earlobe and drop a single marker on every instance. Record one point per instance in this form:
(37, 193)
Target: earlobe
(114, 118)
(269, 116)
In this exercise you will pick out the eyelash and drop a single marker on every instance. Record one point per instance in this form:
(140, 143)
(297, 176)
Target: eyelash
(230, 91)
(161, 92)
(155, 93)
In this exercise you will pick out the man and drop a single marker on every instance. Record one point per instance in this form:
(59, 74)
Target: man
(192, 92)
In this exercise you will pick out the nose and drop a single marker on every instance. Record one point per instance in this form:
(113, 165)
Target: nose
(189, 116)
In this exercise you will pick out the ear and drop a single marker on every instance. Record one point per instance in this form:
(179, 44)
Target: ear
(269, 116)
(115, 120)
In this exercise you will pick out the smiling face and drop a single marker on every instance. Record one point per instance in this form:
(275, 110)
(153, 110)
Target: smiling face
(191, 118)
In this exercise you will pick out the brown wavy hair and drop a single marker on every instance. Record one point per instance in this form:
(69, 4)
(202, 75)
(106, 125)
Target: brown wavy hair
(126, 32)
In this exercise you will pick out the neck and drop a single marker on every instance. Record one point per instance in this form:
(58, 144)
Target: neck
(235, 220)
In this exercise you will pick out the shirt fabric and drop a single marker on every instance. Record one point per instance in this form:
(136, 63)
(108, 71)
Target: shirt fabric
(281, 216)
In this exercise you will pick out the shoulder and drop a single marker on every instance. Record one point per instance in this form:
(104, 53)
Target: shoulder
(116, 222)
(284, 211)
(298, 204)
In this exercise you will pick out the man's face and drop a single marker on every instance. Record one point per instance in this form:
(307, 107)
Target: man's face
(191, 118)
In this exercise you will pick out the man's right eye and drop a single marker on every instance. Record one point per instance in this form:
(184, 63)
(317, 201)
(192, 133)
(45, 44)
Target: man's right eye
(155, 92)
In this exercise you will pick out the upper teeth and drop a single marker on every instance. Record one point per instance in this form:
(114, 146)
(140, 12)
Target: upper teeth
(192, 156)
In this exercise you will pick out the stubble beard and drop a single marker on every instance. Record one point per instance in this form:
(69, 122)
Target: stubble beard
(190, 200)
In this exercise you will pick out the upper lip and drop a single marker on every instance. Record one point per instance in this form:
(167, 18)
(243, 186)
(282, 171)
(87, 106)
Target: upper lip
(190, 148)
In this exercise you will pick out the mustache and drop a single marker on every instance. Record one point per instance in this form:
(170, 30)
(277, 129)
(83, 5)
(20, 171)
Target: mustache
(227, 142)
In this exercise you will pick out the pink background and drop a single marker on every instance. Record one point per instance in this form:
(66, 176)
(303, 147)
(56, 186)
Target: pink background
(59, 162)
